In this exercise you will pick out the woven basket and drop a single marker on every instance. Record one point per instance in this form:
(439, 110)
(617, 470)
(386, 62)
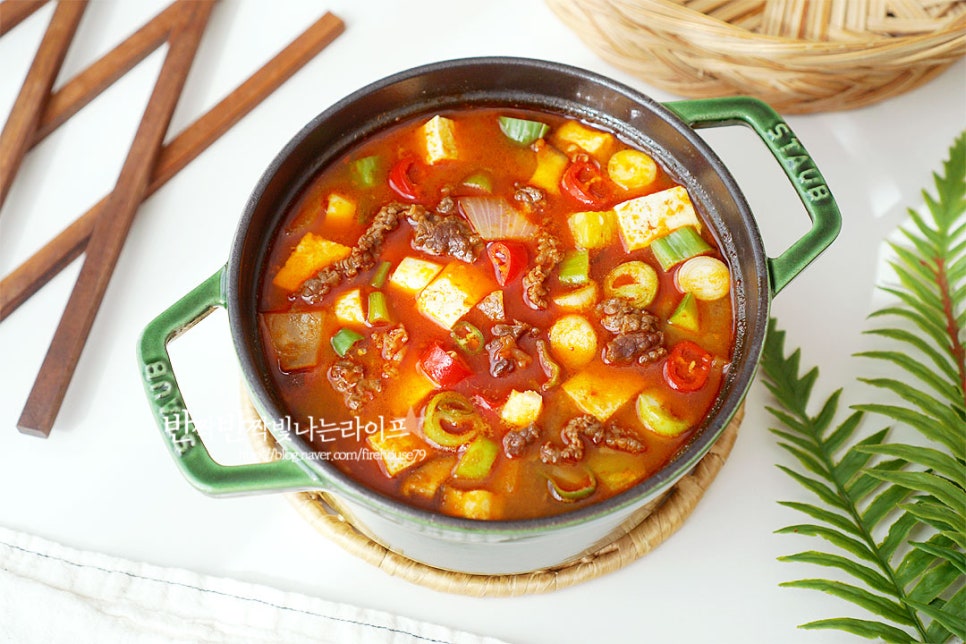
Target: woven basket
(798, 55)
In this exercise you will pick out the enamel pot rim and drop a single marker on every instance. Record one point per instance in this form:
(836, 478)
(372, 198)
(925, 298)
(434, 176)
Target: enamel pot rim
(415, 91)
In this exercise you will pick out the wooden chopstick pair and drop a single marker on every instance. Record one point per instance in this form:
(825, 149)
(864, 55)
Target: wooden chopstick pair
(101, 230)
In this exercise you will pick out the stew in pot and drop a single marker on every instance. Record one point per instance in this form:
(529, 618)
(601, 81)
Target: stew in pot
(496, 314)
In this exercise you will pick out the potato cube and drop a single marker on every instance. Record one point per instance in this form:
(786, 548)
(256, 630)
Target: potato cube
(573, 340)
(551, 164)
(312, 254)
(600, 394)
(414, 274)
(341, 210)
(572, 135)
(593, 229)
(426, 480)
(295, 337)
(348, 308)
(471, 504)
(453, 293)
(644, 219)
(398, 452)
(440, 140)
(522, 408)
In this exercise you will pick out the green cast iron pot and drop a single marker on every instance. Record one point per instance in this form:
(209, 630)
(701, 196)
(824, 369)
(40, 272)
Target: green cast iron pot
(666, 131)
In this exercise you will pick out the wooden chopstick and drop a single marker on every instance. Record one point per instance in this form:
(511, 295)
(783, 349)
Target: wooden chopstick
(111, 228)
(32, 274)
(13, 12)
(85, 86)
(18, 131)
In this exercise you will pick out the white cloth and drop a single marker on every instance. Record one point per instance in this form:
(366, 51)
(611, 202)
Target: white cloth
(52, 594)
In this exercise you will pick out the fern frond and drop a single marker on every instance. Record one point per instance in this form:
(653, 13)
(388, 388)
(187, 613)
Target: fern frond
(896, 513)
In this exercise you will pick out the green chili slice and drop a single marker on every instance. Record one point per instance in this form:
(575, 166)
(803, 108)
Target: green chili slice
(343, 340)
(451, 420)
(468, 337)
(571, 484)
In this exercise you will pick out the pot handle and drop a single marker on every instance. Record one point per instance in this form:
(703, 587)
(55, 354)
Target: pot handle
(795, 161)
(172, 415)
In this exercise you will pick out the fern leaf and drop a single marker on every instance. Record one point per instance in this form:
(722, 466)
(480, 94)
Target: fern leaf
(953, 556)
(862, 628)
(869, 575)
(873, 603)
(939, 462)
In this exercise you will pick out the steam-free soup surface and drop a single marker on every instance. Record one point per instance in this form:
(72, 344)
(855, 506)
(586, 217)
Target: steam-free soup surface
(496, 314)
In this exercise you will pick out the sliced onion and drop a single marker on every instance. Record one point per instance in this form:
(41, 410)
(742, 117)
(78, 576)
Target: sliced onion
(494, 218)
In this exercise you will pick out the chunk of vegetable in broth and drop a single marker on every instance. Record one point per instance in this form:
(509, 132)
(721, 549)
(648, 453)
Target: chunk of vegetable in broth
(593, 229)
(707, 278)
(312, 254)
(631, 169)
(573, 340)
(296, 338)
(522, 131)
(656, 418)
(551, 165)
(633, 281)
(677, 246)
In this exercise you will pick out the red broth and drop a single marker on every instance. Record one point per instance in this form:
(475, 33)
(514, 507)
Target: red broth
(508, 343)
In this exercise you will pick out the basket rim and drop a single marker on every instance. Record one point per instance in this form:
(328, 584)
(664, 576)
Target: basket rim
(668, 14)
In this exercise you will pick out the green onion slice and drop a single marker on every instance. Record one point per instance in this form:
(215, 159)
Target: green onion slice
(379, 277)
(378, 309)
(477, 459)
(574, 269)
(479, 181)
(523, 131)
(343, 340)
(678, 245)
(364, 171)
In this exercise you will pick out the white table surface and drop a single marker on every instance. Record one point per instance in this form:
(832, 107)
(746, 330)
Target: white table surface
(104, 481)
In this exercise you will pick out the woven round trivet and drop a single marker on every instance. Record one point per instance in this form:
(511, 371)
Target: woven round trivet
(634, 542)
(797, 56)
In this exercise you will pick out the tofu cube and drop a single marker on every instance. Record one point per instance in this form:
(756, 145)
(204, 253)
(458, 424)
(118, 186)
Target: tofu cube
(414, 274)
(600, 394)
(312, 254)
(455, 291)
(340, 210)
(522, 408)
(398, 452)
(439, 137)
(348, 308)
(644, 219)
(471, 504)
(572, 135)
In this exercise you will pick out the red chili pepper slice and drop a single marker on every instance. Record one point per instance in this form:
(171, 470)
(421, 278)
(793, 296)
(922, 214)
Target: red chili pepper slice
(687, 367)
(400, 180)
(443, 367)
(583, 181)
(508, 258)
